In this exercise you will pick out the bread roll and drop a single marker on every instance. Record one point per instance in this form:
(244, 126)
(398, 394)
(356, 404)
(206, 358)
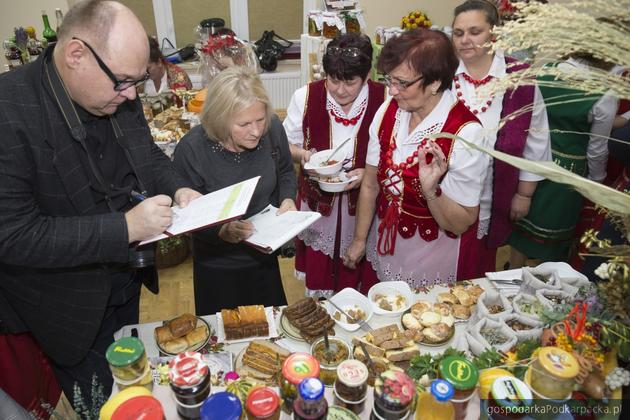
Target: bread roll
(419, 307)
(411, 322)
(163, 334)
(176, 346)
(447, 297)
(461, 311)
(182, 325)
(430, 318)
(197, 336)
(443, 308)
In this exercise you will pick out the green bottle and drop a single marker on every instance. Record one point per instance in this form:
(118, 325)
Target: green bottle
(49, 33)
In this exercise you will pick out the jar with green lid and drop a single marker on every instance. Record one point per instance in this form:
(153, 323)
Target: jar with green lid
(128, 362)
(315, 23)
(553, 372)
(464, 376)
(296, 367)
(350, 388)
(394, 393)
(509, 398)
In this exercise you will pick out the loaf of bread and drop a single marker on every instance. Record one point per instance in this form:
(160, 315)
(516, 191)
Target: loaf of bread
(252, 315)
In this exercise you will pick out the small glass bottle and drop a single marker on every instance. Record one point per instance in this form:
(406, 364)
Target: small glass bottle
(59, 17)
(435, 404)
(310, 404)
(49, 33)
(32, 45)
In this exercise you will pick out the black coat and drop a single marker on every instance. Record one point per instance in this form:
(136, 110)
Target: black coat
(55, 249)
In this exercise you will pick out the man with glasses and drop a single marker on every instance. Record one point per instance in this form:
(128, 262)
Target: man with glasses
(76, 153)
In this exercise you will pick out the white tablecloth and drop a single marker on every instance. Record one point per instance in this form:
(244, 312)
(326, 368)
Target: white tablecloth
(164, 394)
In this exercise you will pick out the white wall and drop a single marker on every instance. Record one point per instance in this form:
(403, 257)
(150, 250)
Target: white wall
(28, 13)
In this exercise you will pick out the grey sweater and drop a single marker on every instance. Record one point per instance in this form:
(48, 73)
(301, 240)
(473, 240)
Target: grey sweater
(208, 167)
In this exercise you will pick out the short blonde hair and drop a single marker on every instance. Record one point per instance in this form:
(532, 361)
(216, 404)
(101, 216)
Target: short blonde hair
(231, 91)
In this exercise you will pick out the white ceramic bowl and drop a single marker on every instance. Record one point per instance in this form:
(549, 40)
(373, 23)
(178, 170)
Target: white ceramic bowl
(316, 160)
(349, 298)
(332, 186)
(391, 289)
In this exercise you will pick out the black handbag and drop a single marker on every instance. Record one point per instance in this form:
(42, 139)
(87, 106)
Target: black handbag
(269, 49)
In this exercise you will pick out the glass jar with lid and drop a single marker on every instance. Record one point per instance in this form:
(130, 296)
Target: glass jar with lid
(143, 407)
(296, 367)
(221, 406)
(464, 376)
(394, 392)
(553, 372)
(332, 25)
(310, 404)
(315, 23)
(263, 403)
(189, 379)
(128, 362)
(509, 398)
(350, 388)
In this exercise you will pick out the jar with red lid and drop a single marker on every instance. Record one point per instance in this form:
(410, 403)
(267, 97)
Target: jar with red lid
(189, 378)
(296, 367)
(143, 407)
(350, 388)
(263, 403)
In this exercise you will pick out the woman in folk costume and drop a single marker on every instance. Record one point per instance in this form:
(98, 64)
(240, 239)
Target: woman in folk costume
(507, 191)
(580, 124)
(425, 191)
(320, 116)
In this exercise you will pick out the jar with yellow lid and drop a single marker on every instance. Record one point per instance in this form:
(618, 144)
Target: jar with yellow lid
(552, 374)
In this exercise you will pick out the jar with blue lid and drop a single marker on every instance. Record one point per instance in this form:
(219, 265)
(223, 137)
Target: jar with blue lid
(221, 406)
(310, 404)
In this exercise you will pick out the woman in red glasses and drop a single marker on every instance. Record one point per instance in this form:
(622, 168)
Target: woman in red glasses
(423, 186)
(320, 116)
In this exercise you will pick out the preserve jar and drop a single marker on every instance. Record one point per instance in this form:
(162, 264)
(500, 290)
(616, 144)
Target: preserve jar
(189, 379)
(350, 388)
(310, 404)
(263, 403)
(393, 395)
(296, 367)
(553, 373)
(509, 398)
(353, 21)
(144, 407)
(329, 359)
(221, 406)
(315, 23)
(379, 35)
(331, 25)
(464, 376)
(128, 362)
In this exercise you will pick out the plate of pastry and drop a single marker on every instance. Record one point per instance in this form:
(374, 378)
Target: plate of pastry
(435, 320)
(186, 332)
(261, 361)
(245, 322)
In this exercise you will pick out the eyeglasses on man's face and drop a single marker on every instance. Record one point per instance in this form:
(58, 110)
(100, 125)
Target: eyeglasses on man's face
(398, 83)
(119, 85)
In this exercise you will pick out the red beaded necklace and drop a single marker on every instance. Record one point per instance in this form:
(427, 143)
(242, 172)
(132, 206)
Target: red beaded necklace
(410, 161)
(346, 121)
(475, 83)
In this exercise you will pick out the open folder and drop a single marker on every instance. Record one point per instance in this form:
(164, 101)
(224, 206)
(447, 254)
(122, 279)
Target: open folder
(217, 207)
(273, 230)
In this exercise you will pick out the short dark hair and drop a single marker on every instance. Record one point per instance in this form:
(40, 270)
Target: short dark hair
(155, 55)
(95, 16)
(428, 52)
(488, 8)
(340, 63)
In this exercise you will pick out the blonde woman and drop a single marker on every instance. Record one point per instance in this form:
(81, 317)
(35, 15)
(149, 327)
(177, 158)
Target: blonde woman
(239, 138)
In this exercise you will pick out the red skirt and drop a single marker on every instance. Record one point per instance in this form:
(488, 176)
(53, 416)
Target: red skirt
(319, 270)
(26, 373)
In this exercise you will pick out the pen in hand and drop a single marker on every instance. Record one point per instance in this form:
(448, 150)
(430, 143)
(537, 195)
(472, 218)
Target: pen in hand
(137, 196)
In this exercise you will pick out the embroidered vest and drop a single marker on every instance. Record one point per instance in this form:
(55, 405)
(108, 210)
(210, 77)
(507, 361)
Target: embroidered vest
(316, 127)
(511, 139)
(408, 212)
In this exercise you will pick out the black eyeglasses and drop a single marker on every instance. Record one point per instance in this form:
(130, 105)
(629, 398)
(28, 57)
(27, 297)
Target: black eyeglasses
(399, 84)
(119, 85)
